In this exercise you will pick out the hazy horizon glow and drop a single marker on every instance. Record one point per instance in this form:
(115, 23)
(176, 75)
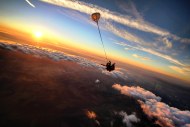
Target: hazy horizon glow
(139, 33)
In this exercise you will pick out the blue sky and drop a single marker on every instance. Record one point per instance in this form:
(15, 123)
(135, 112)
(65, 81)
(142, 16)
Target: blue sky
(148, 32)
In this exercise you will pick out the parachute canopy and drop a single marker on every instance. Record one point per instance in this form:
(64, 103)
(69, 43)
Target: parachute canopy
(95, 17)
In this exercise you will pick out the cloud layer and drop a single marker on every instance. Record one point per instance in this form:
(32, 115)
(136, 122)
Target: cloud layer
(151, 104)
(58, 56)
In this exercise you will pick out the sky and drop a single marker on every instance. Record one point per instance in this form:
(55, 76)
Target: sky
(148, 33)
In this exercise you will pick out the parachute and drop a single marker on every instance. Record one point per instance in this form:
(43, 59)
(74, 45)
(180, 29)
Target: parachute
(95, 17)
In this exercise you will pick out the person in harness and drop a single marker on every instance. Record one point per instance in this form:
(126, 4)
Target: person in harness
(110, 67)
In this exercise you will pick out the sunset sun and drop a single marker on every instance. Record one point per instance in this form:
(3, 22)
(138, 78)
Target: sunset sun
(38, 34)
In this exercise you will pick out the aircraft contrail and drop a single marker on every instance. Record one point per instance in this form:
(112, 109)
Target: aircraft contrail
(30, 3)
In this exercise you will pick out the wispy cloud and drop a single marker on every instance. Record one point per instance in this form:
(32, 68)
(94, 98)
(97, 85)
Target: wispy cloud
(151, 104)
(177, 69)
(181, 70)
(183, 40)
(166, 42)
(32, 5)
(124, 34)
(141, 57)
(75, 15)
(130, 8)
(128, 48)
(148, 50)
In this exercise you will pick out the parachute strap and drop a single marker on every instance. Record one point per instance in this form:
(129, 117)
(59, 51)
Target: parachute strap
(102, 42)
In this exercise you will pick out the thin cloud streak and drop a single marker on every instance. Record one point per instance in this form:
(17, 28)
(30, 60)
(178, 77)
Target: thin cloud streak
(130, 8)
(181, 70)
(141, 57)
(124, 34)
(30, 3)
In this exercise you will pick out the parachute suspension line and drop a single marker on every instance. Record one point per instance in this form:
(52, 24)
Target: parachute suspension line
(102, 42)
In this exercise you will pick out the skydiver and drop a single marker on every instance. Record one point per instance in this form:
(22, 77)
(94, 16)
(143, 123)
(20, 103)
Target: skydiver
(110, 67)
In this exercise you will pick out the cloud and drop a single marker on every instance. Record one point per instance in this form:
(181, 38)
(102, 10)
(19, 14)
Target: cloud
(151, 104)
(118, 73)
(141, 57)
(177, 69)
(32, 5)
(124, 34)
(97, 81)
(129, 119)
(148, 50)
(181, 70)
(128, 48)
(183, 40)
(75, 15)
(167, 42)
(130, 8)
(166, 116)
(136, 92)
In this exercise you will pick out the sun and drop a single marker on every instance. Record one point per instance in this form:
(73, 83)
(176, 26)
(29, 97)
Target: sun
(38, 34)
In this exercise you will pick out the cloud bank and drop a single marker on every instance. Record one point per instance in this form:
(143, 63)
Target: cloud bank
(151, 104)
(136, 92)
(58, 56)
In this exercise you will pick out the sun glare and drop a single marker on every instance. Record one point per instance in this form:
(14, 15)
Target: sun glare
(38, 34)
